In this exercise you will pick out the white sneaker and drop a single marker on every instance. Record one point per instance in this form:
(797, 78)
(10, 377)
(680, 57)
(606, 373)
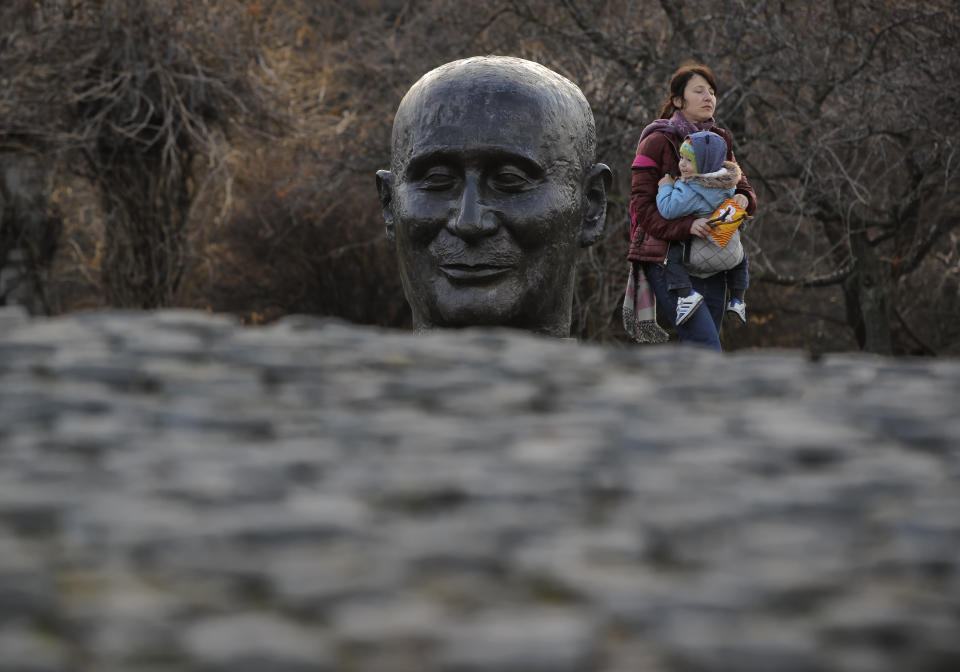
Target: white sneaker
(738, 308)
(687, 306)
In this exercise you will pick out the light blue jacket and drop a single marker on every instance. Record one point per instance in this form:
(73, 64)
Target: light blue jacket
(699, 194)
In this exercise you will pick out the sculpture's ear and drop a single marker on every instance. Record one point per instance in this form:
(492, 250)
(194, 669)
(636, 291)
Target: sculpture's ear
(596, 185)
(385, 191)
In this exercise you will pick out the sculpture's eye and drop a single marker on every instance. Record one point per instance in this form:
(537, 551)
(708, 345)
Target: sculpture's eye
(511, 179)
(437, 179)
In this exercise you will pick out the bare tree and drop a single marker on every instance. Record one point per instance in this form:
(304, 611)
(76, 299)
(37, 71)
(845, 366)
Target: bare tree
(132, 94)
(845, 124)
(853, 135)
(843, 114)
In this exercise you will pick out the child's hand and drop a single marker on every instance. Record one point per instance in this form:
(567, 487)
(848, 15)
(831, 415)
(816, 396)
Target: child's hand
(701, 227)
(666, 179)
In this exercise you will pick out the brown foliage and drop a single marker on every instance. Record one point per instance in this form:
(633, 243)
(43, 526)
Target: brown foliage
(283, 254)
(842, 114)
(130, 93)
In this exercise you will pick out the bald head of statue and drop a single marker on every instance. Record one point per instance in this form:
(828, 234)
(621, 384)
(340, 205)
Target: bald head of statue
(492, 192)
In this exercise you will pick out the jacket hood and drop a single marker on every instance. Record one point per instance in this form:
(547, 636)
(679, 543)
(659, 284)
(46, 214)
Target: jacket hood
(725, 178)
(708, 150)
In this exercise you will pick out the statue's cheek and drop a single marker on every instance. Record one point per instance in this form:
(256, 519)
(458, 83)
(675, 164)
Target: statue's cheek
(420, 217)
(542, 218)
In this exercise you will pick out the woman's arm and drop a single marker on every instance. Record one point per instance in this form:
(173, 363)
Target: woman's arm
(746, 192)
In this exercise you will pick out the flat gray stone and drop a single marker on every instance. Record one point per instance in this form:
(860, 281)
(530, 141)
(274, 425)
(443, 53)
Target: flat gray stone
(179, 493)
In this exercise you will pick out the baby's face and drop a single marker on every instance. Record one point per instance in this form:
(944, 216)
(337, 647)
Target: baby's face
(686, 167)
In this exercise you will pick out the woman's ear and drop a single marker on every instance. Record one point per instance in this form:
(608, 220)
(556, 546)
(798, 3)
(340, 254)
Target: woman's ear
(385, 192)
(678, 102)
(596, 185)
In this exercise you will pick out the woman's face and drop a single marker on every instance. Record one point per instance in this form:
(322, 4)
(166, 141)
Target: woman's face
(699, 100)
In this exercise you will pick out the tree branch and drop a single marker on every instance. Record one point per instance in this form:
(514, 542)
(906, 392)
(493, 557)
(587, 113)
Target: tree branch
(833, 278)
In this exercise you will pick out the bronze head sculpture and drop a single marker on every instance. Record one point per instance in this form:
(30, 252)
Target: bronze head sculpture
(491, 193)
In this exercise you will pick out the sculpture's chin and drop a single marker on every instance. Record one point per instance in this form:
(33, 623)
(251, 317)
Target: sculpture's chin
(478, 306)
(455, 312)
(518, 298)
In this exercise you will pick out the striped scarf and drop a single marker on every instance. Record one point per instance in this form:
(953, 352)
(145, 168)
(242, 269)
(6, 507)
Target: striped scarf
(639, 309)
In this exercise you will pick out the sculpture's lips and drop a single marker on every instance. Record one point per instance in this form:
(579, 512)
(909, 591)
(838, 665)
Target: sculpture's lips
(474, 272)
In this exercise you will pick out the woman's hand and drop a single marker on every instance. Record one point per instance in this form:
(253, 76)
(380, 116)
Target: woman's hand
(741, 200)
(700, 228)
(666, 179)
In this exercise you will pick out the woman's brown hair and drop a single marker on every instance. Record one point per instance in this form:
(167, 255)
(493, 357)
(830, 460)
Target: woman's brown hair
(678, 82)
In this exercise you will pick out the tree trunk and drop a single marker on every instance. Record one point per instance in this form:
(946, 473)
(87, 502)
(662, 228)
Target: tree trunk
(868, 297)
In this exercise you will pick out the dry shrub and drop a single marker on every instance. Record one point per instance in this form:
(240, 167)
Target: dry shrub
(75, 281)
(285, 252)
(131, 94)
(302, 230)
(29, 230)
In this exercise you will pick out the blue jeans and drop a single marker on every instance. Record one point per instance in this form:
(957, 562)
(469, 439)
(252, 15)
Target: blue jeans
(703, 328)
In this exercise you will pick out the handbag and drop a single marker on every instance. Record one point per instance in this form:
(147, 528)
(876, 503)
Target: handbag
(721, 249)
(704, 257)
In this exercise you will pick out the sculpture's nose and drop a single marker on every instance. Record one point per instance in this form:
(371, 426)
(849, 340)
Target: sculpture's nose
(470, 218)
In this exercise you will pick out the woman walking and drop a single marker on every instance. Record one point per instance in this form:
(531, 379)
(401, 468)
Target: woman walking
(689, 108)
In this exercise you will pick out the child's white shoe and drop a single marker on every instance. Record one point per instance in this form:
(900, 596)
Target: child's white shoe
(687, 306)
(738, 308)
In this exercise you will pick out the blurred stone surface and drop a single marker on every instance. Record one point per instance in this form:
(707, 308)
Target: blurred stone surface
(180, 493)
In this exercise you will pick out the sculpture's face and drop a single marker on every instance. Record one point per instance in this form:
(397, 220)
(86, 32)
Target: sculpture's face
(487, 208)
